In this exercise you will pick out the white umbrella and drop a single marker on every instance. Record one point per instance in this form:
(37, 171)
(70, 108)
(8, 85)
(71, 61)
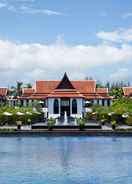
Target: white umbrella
(110, 113)
(20, 113)
(7, 114)
(125, 115)
(28, 113)
(40, 102)
(94, 113)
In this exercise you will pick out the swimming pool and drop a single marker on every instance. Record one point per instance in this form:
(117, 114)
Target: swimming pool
(66, 160)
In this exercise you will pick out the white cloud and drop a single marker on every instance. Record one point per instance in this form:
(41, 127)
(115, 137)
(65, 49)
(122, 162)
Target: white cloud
(2, 4)
(127, 15)
(119, 36)
(41, 61)
(121, 74)
(27, 9)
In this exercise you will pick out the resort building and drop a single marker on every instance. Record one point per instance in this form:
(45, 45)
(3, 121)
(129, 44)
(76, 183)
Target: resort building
(3, 95)
(65, 96)
(127, 91)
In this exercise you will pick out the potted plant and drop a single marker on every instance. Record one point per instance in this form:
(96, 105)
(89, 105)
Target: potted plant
(113, 123)
(102, 121)
(19, 124)
(81, 123)
(51, 123)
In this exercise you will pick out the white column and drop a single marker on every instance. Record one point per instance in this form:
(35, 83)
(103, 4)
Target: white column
(105, 102)
(71, 106)
(59, 105)
(100, 102)
(24, 103)
(95, 101)
(30, 103)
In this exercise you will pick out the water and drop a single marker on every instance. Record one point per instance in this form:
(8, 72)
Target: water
(66, 160)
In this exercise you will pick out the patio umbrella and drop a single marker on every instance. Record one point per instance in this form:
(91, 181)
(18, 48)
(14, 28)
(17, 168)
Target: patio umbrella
(40, 102)
(110, 113)
(125, 115)
(7, 113)
(20, 113)
(28, 113)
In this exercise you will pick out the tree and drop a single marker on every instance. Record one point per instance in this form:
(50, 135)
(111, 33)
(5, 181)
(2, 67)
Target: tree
(116, 92)
(28, 85)
(19, 88)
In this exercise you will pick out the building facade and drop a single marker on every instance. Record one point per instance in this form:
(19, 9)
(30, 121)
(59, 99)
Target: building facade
(65, 96)
(127, 92)
(3, 95)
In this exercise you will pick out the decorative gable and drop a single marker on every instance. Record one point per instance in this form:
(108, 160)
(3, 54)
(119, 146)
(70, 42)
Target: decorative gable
(65, 83)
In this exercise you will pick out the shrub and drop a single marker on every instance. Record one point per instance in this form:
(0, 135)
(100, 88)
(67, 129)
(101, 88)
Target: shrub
(113, 124)
(81, 123)
(88, 116)
(51, 123)
(129, 120)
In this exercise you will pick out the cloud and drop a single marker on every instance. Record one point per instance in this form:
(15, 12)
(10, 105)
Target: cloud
(120, 74)
(29, 10)
(29, 62)
(26, 9)
(127, 15)
(118, 36)
(2, 5)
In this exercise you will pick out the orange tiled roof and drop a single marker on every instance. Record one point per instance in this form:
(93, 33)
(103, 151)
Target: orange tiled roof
(83, 86)
(3, 91)
(27, 91)
(83, 89)
(127, 91)
(46, 86)
(71, 93)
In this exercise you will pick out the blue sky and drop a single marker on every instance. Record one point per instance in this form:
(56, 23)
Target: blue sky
(40, 39)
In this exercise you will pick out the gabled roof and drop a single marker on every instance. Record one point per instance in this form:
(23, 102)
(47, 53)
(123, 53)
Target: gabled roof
(3, 91)
(27, 91)
(127, 91)
(67, 88)
(45, 86)
(83, 86)
(65, 83)
(69, 93)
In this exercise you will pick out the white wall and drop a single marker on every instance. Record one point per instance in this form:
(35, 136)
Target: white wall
(51, 108)
(80, 109)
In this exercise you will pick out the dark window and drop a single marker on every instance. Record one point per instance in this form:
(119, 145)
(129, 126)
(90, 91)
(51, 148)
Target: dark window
(103, 102)
(108, 102)
(56, 106)
(21, 103)
(74, 106)
(27, 103)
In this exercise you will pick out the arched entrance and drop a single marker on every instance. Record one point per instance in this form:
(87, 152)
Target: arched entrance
(65, 106)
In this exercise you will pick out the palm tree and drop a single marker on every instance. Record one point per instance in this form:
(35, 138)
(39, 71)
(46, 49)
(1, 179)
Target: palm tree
(19, 88)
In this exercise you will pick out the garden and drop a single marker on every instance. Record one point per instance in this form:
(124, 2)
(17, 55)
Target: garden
(19, 115)
(119, 113)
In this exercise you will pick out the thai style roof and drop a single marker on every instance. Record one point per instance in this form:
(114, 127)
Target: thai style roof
(27, 91)
(3, 91)
(65, 83)
(127, 91)
(66, 88)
